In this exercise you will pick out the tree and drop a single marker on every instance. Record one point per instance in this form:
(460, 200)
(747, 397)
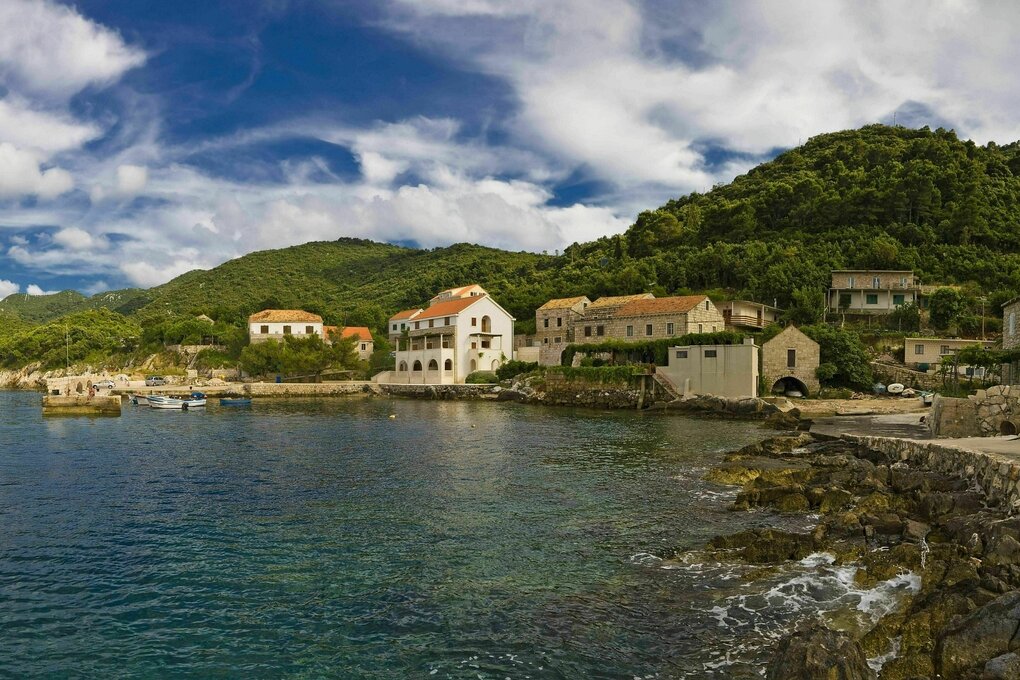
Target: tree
(945, 305)
(844, 359)
(807, 306)
(906, 318)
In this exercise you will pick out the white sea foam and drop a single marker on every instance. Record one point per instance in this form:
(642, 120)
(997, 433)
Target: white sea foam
(877, 662)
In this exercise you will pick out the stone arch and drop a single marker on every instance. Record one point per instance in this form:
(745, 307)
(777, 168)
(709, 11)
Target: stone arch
(486, 324)
(448, 365)
(79, 389)
(433, 365)
(403, 366)
(1007, 427)
(788, 383)
(417, 366)
(474, 365)
(495, 364)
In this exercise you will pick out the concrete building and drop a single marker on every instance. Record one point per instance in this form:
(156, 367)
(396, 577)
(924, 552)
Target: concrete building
(926, 352)
(1010, 327)
(657, 318)
(275, 324)
(464, 331)
(400, 322)
(554, 326)
(743, 315)
(790, 362)
(723, 370)
(872, 291)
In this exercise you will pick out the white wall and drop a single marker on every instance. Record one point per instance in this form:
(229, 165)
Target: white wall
(296, 327)
(733, 372)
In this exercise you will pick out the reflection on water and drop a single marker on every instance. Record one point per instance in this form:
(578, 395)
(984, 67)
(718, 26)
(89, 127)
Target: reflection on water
(321, 538)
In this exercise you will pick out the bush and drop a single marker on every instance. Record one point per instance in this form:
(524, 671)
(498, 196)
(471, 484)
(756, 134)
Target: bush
(599, 374)
(481, 378)
(515, 368)
(844, 358)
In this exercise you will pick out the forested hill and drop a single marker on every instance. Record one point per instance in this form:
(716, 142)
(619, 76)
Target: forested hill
(885, 197)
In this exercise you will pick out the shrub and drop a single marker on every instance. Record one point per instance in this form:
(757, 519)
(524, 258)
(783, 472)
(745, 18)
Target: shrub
(515, 368)
(481, 378)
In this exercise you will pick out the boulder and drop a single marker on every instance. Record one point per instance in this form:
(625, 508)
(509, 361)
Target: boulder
(767, 546)
(985, 634)
(813, 652)
(1005, 667)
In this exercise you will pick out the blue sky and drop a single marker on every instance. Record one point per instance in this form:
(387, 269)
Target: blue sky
(140, 139)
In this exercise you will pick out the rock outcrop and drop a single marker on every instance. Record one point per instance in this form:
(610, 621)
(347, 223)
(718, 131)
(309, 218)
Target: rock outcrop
(813, 652)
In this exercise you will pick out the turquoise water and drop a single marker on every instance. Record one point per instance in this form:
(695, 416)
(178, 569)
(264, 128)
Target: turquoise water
(313, 539)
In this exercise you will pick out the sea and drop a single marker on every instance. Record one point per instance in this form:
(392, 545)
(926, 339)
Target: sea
(377, 538)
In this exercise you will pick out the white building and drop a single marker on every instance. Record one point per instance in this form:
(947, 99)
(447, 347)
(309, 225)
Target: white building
(721, 370)
(464, 330)
(364, 345)
(400, 322)
(275, 324)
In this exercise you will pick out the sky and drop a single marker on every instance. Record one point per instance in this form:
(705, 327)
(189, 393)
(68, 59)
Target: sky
(141, 139)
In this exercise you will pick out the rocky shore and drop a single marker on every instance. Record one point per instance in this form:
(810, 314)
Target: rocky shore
(889, 517)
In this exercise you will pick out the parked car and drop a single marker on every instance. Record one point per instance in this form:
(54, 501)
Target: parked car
(155, 381)
(103, 385)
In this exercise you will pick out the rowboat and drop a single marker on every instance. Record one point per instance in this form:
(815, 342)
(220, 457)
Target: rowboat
(235, 401)
(196, 400)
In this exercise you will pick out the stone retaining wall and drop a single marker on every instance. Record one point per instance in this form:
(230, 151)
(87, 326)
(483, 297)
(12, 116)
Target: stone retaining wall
(997, 475)
(988, 412)
(439, 391)
(324, 389)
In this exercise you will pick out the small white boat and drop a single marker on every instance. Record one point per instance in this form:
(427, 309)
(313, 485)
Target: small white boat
(894, 388)
(197, 400)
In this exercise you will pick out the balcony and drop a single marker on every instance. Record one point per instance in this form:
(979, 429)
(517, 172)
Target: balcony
(745, 320)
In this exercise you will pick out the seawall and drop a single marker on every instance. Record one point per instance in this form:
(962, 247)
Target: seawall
(997, 474)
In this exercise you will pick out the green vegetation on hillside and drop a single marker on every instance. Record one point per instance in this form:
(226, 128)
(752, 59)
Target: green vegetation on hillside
(94, 336)
(42, 308)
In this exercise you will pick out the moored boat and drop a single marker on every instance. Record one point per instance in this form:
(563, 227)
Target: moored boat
(139, 399)
(196, 400)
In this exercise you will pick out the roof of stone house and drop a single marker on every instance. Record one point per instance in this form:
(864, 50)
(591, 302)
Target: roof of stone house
(406, 314)
(1007, 303)
(564, 303)
(459, 291)
(285, 315)
(618, 300)
(359, 332)
(449, 307)
(789, 329)
(666, 305)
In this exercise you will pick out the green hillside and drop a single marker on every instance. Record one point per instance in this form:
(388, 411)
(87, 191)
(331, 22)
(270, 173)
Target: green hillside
(883, 197)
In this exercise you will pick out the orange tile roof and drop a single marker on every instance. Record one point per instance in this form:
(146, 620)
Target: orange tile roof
(360, 332)
(285, 315)
(667, 305)
(563, 303)
(406, 314)
(326, 330)
(448, 307)
(618, 300)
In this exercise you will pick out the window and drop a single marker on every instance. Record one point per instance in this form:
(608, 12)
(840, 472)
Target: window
(670, 329)
(630, 331)
(844, 300)
(394, 326)
(791, 358)
(474, 321)
(713, 328)
(701, 328)
(417, 325)
(264, 330)
(850, 282)
(587, 331)
(872, 299)
(417, 366)
(600, 330)
(919, 349)
(876, 282)
(309, 330)
(706, 304)
(545, 322)
(648, 329)
(555, 340)
(559, 321)
(903, 281)
(474, 345)
(432, 323)
(446, 321)
(448, 365)
(363, 347)
(433, 365)
(897, 300)
(545, 341)
(710, 353)
(944, 349)
(1012, 323)
(681, 354)
(286, 330)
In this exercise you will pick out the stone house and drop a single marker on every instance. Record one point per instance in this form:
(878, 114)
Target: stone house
(275, 324)
(872, 291)
(464, 330)
(594, 327)
(1010, 329)
(722, 370)
(658, 318)
(925, 352)
(554, 326)
(790, 362)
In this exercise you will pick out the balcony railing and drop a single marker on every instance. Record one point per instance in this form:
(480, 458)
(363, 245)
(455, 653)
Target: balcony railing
(746, 320)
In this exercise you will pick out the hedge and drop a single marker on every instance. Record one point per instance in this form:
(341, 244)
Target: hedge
(598, 374)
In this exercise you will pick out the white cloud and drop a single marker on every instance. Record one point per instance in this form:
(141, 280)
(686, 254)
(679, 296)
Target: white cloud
(8, 288)
(22, 175)
(147, 275)
(33, 289)
(74, 238)
(55, 51)
(40, 130)
(131, 179)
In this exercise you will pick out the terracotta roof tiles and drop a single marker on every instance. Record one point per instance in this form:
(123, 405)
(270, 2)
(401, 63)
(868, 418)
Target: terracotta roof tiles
(563, 303)
(666, 305)
(285, 315)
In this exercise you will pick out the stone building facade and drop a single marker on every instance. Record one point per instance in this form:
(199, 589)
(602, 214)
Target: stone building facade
(1011, 324)
(790, 361)
(872, 291)
(554, 326)
(658, 318)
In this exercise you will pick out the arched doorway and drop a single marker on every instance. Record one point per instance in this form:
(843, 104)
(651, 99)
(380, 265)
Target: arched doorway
(433, 365)
(1006, 427)
(417, 366)
(486, 324)
(495, 365)
(474, 365)
(787, 385)
(403, 367)
(448, 365)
